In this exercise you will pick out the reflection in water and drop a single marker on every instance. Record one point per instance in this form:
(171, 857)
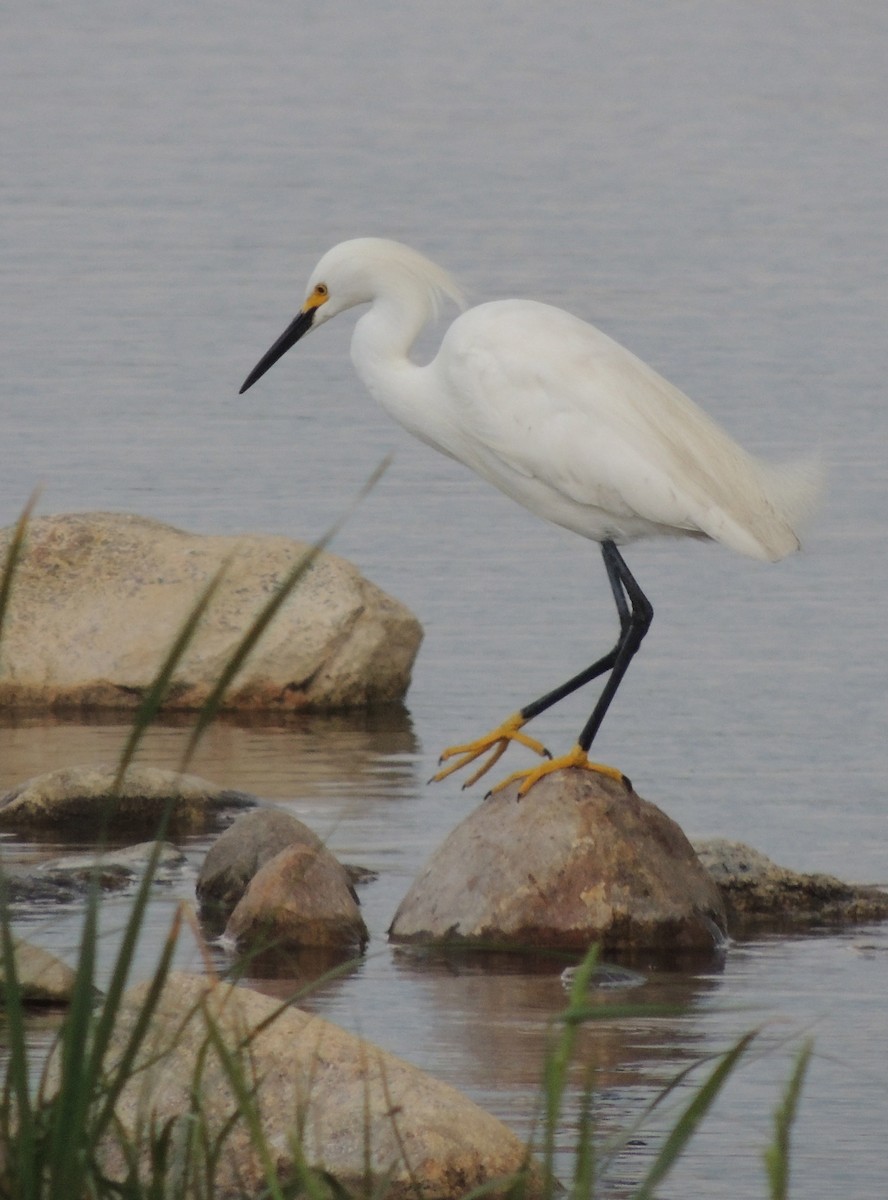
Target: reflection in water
(498, 1013)
(309, 977)
(279, 756)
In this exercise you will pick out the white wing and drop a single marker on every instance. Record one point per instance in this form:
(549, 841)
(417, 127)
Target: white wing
(536, 392)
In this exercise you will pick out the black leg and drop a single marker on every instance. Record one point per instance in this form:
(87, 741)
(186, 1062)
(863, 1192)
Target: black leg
(634, 624)
(635, 613)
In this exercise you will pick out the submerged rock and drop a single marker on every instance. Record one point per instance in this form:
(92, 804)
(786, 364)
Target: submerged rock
(77, 800)
(99, 598)
(126, 862)
(370, 1120)
(761, 895)
(580, 859)
(69, 877)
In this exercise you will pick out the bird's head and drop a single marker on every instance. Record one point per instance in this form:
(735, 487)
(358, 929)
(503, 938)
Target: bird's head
(356, 272)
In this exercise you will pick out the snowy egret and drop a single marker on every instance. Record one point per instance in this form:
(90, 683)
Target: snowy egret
(565, 421)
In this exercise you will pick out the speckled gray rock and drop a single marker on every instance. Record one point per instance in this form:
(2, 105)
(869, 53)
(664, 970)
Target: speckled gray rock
(302, 897)
(81, 799)
(99, 598)
(579, 860)
(759, 894)
(366, 1117)
(238, 853)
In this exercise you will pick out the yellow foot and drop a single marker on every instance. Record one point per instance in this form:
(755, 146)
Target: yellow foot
(496, 741)
(574, 758)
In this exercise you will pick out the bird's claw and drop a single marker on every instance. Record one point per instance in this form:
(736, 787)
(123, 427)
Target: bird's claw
(576, 758)
(497, 742)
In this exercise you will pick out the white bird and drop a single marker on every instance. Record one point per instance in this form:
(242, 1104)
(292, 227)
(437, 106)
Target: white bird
(567, 422)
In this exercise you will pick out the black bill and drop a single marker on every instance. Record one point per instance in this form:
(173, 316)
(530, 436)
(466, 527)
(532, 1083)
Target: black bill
(288, 338)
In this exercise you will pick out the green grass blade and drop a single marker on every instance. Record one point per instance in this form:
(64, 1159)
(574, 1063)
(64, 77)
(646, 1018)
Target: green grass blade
(18, 1121)
(690, 1119)
(559, 1055)
(114, 1083)
(13, 557)
(233, 1066)
(126, 953)
(777, 1154)
(266, 614)
(69, 1107)
(582, 1185)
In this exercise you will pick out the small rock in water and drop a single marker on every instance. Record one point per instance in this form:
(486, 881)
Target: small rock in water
(301, 897)
(128, 860)
(238, 853)
(606, 977)
(42, 978)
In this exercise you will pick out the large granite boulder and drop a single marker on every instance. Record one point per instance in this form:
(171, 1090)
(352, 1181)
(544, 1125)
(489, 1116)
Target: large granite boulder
(579, 859)
(99, 597)
(373, 1122)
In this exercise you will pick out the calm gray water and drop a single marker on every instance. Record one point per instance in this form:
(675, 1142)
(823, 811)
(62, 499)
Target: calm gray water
(706, 182)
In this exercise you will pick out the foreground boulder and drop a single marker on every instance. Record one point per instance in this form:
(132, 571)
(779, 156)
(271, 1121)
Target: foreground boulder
(370, 1120)
(580, 859)
(760, 895)
(99, 597)
(77, 800)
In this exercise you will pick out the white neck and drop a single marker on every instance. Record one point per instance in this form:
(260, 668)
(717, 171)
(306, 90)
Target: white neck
(380, 350)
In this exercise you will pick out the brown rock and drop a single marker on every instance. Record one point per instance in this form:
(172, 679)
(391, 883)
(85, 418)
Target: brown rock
(369, 1119)
(579, 860)
(98, 599)
(301, 897)
(239, 852)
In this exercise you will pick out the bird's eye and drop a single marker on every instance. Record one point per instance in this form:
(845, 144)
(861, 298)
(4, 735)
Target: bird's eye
(321, 290)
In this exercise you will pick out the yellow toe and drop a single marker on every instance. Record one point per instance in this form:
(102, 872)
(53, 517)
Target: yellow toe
(495, 743)
(576, 758)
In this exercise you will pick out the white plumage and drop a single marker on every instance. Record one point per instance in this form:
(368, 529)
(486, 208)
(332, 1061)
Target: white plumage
(558, 416)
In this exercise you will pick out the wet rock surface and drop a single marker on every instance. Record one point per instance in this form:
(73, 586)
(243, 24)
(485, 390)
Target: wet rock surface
(580, 859)
(99, 598)
(68, 878)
